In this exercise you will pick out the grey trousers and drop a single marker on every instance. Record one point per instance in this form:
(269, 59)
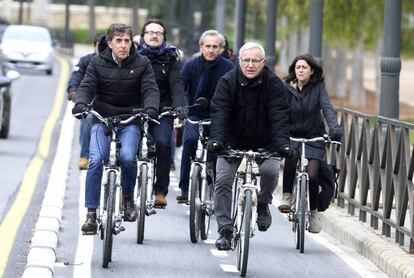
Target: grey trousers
(225, 173)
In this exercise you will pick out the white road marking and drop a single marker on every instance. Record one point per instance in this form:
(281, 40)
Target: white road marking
(229, 268)
(84, 249)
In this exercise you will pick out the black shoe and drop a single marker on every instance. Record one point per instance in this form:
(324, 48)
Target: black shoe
(223, 243)
(264, 218)
(183, 197)
(130, 212)
(90, 226)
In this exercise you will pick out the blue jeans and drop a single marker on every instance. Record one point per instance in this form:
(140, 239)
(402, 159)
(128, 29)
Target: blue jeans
(190, 139)
(85, 135)
(128, 136)
(162, 135)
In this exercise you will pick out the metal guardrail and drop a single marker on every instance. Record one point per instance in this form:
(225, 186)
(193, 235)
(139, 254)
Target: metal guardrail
(376, 160)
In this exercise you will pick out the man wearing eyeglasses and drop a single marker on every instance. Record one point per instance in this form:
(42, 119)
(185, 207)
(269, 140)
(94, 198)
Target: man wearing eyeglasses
(200, 76)
(249, 111)
(165, 62)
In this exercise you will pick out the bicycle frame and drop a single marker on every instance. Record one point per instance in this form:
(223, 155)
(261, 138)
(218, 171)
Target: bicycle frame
(143, 158)
(200, 159)
(246, 180)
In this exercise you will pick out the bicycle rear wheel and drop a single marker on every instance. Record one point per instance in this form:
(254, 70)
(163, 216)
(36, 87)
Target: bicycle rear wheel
(194, 218)
(244, 240)
(206, 213)
(302, 206)
(142, 201)
(108, 232)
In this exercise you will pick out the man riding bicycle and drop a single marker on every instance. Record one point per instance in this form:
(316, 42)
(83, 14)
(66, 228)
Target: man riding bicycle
(249, 111)
(117, 80)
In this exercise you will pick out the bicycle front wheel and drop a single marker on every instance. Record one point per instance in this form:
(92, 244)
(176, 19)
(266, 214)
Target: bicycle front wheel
(142, 202)
(244, 238)
(110, 207)
(302, 207)
(195, 204)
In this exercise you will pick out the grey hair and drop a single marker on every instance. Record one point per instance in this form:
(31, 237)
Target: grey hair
(212, 33)
(252, 45)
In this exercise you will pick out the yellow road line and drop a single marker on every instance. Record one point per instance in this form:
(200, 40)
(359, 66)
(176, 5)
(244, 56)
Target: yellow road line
(12, 220)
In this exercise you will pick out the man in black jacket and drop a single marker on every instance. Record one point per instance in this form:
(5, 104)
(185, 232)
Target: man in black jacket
(73, 84)
(165, 62)
(248, 112)
(117, 80)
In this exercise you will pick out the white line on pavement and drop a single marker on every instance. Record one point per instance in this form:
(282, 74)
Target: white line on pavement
(84, 250)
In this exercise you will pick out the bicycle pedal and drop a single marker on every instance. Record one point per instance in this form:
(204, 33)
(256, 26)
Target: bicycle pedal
(149, 212)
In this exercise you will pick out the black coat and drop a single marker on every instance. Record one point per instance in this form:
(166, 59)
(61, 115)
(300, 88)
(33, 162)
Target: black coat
(117, 89)
(305, 118)
(167, 71)
(250, 114)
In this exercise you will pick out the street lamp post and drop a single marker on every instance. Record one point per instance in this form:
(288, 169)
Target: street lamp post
(390, 60)
(240, 16)
(271, 34)
(316, 28)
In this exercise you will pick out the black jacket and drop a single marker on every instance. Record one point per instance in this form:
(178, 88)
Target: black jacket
(168, 78)
(250, 114)
(117, 89)
(79, 72)
(305, 119)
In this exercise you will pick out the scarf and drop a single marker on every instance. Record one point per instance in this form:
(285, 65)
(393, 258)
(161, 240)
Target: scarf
(152, 52)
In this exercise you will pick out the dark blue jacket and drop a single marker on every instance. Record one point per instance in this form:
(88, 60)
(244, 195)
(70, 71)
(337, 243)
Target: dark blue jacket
(200, 78)
(79, 72)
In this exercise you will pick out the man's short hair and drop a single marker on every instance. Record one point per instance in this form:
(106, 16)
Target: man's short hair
(212, 33)
(116, 29)
(252, 45)
(155, 21)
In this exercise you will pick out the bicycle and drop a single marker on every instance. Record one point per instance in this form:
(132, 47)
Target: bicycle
(299, 214)
(201, 187)
(110, 216)
(146, 161)
(244, 202)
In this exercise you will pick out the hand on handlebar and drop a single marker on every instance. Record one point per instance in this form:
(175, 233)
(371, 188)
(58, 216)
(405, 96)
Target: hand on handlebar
(79, 110)
(289, 152)
(152, 113)
(181, 113)
(214, 146)
(335, 136)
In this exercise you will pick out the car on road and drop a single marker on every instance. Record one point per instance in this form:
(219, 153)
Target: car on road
(6, 78)
(27, 47)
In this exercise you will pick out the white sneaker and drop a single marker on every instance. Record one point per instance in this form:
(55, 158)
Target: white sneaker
(286, 203)
(315, 222)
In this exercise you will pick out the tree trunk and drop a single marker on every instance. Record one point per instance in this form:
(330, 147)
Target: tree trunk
(135, 19)
(329, 70)
(340, 69)
(92, 19)
(283, 55)
(357, 97)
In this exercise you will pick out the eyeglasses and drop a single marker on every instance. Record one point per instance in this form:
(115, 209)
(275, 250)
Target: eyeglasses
(254, 61)
(152, 33)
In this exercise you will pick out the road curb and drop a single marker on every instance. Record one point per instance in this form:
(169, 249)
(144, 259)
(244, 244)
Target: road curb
(42, 253)
(389, 257)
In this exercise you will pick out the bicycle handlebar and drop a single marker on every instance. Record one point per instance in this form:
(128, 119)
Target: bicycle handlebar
(324, 138)
(255, 155)
(199, 122)
(136, 113)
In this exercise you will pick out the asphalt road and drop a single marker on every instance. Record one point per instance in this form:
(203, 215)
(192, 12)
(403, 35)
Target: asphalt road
(167, 250)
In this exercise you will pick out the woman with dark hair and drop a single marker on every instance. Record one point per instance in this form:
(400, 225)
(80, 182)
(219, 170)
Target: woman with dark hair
(307, 97)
